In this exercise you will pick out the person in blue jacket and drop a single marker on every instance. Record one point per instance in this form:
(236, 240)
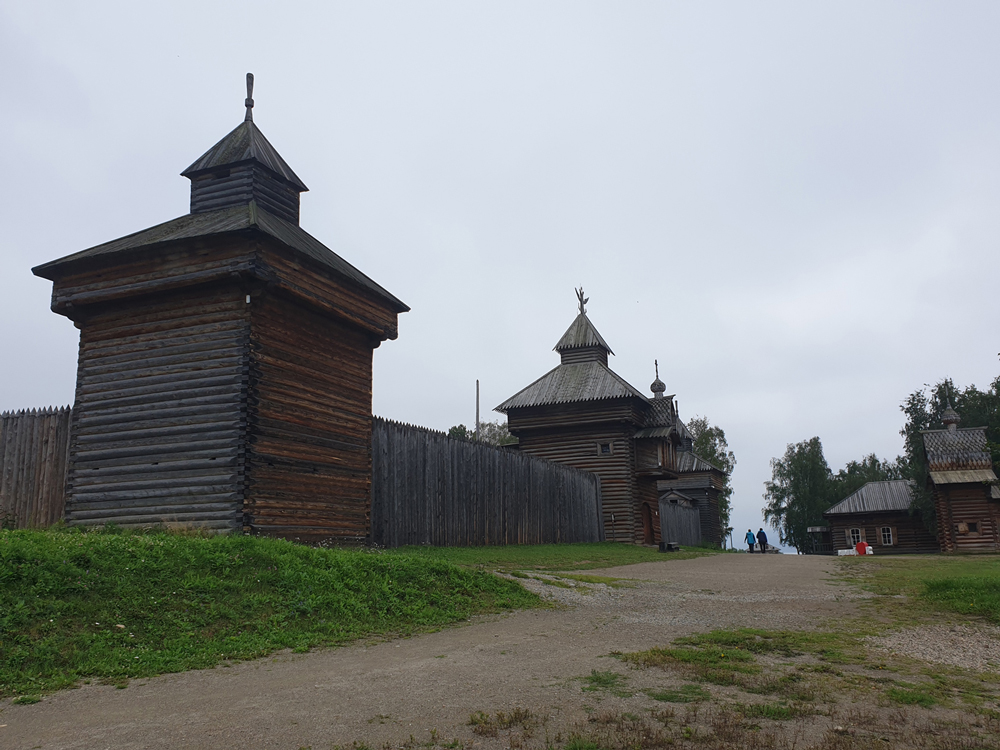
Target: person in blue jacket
(751, 540)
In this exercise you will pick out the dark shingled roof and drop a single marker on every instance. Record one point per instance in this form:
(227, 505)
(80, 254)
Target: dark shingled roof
(582, 333)
(660, 420)
(233, 219)
(957, 450)
(244, 143)
(876, 497)
(582, 381)
(689, 462)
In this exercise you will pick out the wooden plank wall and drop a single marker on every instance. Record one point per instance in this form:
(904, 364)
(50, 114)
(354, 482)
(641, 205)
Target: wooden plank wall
(159, 422)
(430, 489)
(34, 446)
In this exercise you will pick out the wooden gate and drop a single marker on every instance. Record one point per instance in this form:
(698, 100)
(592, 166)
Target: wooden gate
(680, 523)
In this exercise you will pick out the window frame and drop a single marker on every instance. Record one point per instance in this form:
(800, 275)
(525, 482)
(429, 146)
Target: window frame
(882, 535)
(855, 541)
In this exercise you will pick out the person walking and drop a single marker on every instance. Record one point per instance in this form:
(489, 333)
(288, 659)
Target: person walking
(751, 540)
(762, 540)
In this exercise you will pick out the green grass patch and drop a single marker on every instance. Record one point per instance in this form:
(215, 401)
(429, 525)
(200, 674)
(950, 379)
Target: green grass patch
(965, 584)
(971, 594)
(911, 696)
(610, 682)
(115, 606)
(773, 711)
(703, 657)
(615, 583)
(550, 557)
(684, 694)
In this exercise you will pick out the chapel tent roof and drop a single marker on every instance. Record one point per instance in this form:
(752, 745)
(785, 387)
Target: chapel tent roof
(957, 449)
(247, 217)
(244, 143)
(876, 497)
(582, 333)
(582, 381)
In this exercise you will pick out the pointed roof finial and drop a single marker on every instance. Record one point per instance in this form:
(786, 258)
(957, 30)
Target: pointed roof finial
(583, 301)
(249, 101)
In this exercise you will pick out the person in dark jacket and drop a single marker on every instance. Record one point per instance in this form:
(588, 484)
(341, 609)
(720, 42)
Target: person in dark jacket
(751, 539)
(762, 540)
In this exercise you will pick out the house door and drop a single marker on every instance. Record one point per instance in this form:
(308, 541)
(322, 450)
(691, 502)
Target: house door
(647, 524)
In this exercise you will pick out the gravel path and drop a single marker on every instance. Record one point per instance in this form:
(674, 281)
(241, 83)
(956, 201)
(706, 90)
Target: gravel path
(384, 692)
(968, 646)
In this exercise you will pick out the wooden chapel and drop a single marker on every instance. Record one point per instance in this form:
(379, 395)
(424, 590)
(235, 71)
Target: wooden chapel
(583, 414)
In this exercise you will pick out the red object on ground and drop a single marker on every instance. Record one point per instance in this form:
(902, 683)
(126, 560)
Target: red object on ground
(861, 548)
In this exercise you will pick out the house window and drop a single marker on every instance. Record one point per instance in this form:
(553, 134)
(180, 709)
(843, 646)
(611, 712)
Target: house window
(887, 536)
(974, 527)
(855, 537)
(605, 448)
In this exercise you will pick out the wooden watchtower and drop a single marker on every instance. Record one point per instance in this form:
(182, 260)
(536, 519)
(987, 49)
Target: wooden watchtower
(225, 366)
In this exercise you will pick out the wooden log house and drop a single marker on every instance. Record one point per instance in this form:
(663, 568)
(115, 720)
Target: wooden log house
(225, 364)
(583, 414)
(966, 496)
(879, 514)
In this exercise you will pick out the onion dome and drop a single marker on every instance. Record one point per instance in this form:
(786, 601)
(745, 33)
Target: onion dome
(658, 387)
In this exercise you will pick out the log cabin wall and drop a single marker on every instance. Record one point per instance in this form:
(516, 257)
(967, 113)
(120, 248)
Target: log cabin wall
(967, 518)
(158, 430)
(581, 448)
(309, 470)
(908, 532)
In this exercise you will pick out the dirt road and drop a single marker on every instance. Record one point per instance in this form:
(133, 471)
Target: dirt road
(385, 692)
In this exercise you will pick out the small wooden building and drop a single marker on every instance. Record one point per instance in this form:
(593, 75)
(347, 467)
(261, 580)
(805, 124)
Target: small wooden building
(879, 514)
(966, 496)
(583, 414)
(225, 365)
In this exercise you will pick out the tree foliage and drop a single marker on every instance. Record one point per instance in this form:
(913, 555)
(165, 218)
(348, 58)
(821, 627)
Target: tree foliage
(798, 492)
(710, 444)
(491, 433)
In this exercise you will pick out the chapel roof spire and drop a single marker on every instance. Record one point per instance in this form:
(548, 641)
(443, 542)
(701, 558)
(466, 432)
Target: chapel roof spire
(582, 334)
(245, 167)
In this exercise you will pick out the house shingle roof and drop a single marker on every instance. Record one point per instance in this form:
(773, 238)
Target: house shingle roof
(876, 497)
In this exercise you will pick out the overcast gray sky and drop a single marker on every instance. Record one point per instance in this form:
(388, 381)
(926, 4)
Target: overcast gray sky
(793, 206)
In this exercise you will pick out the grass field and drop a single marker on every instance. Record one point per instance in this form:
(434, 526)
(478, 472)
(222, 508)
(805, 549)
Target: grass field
(113, 606)
(562, 557)
(968, 584)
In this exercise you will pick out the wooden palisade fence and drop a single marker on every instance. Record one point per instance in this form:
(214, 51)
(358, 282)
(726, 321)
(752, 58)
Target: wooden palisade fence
(428, 488)
(34, 445)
